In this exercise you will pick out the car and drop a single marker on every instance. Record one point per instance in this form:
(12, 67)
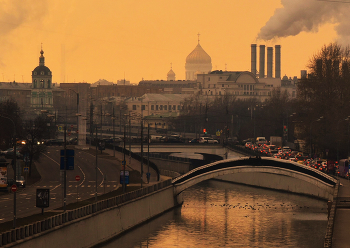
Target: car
(194, 141)
(19, 182)
(9, 153)
(248, 145)
(208, 140)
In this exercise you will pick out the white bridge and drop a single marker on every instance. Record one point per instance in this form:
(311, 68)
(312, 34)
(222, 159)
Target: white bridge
(263, 172)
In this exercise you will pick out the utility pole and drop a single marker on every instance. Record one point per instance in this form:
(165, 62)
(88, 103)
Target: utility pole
(113, 133)
(96, 168)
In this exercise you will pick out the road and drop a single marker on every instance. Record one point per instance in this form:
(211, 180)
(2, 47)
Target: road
(108, 173)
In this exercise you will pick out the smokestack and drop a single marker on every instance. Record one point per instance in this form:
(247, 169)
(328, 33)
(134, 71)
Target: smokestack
(253, 59)
(269, 61)
(262, 62)
(277, 61)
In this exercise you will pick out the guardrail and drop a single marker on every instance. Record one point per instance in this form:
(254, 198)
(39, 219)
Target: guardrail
(58, 220)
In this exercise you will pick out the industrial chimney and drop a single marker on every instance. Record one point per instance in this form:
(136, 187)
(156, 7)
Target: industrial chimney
(253, 59)
(269, 61)
(262, 62)
(277, 61)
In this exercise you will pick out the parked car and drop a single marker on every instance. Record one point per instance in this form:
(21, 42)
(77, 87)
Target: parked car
(208, 140)
(9, 153)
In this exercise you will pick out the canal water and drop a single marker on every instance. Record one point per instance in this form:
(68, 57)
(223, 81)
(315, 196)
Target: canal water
(220, 214)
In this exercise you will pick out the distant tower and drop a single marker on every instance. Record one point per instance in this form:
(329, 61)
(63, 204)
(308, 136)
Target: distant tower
(42, 85)
(171, 74)
(197, 61)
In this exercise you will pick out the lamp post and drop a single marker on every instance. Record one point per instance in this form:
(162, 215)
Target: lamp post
(14, 167)
(77, 115)
(113, 119)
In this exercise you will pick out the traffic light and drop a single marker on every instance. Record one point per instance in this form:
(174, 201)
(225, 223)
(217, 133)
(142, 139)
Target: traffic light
(285, 128)
(204, 131)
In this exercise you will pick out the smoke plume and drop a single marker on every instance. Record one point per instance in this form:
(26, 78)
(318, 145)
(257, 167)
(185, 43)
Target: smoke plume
(307, 15)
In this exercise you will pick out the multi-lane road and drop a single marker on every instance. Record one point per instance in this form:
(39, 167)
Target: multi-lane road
(107, 173)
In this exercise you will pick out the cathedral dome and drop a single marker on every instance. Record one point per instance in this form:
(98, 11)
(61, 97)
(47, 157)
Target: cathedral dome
(171, 73)
(198, 56)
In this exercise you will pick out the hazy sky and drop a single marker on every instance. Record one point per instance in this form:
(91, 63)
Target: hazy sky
(91, 40)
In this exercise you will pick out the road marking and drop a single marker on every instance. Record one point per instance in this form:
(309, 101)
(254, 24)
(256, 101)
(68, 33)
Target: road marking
(108, 186)
(1, 219)
(89, 186)
(102, 176)
(82, 186)
(112, 181)
(70, 186)
(91, 181)
(23, 194)
(83, 175)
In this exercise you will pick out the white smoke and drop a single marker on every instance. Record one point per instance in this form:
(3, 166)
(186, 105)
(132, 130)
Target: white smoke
(307, 15)
(14, 13)
(17, 13)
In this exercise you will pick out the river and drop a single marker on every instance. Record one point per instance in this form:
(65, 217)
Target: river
(220, 214)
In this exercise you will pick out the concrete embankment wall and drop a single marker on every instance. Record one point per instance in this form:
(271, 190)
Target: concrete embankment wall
(281, 182)
(95, 223)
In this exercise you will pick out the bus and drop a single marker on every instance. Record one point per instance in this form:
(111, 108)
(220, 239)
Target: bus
(3, 174)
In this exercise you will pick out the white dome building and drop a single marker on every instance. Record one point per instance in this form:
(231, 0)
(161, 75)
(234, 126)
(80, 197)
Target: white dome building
(171, 75)
(197, 61)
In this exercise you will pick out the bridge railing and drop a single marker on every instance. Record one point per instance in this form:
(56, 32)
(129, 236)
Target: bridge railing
(58, 220)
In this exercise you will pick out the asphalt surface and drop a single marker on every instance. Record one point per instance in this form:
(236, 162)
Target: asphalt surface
(107, 173)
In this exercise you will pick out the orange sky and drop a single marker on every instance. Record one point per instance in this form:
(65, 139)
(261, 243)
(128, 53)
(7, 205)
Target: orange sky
(109, 38)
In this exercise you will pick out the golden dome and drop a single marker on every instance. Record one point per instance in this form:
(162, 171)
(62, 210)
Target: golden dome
(198, 56)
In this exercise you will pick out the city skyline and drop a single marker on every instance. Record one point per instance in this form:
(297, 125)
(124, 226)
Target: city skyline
(88, 41)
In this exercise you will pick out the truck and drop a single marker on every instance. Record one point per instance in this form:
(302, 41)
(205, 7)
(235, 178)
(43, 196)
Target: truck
(276, 140)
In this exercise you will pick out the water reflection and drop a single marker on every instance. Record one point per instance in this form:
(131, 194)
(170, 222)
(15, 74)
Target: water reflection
(218, 214)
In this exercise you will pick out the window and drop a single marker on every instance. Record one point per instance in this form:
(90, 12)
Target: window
(165, 107)
(174, 107)
(208, 85)
(169, 107)
(178, 107)
(152, 107)
(208, 78)
(220, 93)
(223, 85)
(133, 107)
(214, 85)
(156, 107)
(160, 107)
(35, 73)
(143, 107)
(41, 73)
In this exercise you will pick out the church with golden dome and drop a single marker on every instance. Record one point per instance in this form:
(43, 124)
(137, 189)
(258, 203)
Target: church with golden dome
(197, 62)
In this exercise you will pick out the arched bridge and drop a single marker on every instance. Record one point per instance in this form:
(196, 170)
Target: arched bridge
(263, 172)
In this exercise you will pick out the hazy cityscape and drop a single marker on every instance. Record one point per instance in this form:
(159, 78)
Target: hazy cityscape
(182, 128)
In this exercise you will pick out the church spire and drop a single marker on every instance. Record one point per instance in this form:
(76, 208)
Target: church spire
(41, 58)
(198, 37)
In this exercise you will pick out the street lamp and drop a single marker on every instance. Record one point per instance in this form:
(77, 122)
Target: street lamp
(14, 167)
(77, 115)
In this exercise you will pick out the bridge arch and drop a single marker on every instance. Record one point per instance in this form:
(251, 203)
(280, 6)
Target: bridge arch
(263, 172)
